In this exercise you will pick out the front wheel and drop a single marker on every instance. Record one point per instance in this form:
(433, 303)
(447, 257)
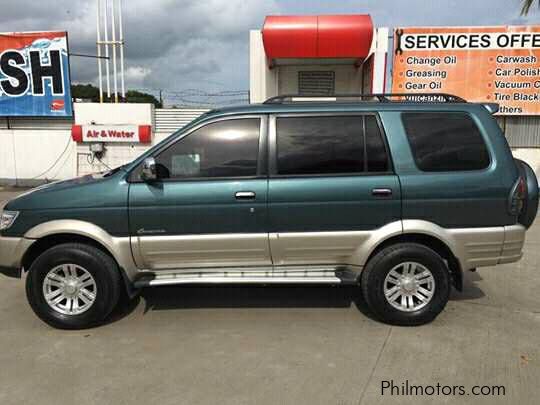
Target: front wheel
(73, 286)
(406, 284)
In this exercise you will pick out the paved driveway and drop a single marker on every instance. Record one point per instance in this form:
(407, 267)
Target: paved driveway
(279, 345)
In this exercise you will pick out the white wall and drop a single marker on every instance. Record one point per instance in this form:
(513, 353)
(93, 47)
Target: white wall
(263, 81)
(380, 52)
(116, 154)
(7, 155)
(117, 114)
(33, 151)
(529, 155)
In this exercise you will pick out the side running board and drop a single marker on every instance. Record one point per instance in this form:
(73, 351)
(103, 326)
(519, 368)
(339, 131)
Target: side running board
(290, 277)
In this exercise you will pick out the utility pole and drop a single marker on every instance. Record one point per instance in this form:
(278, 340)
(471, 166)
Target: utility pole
(98, 18)
(121, 28)
(111, 16)
(107, 66)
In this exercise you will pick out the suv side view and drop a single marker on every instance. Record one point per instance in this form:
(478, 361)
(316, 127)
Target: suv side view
(398, 195)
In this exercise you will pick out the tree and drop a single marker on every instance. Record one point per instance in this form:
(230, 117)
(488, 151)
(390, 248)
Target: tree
(85, 91)
(527, 4)
(134, 96)
(89, 92)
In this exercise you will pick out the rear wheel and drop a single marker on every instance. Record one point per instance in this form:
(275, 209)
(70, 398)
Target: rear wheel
(406, 284)
(73, 286)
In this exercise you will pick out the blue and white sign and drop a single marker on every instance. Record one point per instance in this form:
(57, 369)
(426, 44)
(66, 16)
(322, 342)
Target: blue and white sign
(34, 75)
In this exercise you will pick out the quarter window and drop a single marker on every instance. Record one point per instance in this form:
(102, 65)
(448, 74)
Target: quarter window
(221, 149)
(445, 142)
(329, 145)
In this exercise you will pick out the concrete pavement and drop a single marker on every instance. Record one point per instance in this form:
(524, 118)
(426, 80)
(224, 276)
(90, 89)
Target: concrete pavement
(278, 345)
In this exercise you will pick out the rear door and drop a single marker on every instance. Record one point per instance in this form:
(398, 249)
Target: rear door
(331, 186)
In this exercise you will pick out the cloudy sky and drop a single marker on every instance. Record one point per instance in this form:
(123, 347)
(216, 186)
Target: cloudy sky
(203, 44)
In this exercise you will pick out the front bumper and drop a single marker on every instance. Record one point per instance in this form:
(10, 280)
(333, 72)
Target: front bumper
(12, 251)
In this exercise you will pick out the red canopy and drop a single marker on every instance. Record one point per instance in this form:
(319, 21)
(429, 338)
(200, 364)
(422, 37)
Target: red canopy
(324, 36)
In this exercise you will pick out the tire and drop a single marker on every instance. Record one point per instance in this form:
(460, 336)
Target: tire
(96, 271)
(407, 259)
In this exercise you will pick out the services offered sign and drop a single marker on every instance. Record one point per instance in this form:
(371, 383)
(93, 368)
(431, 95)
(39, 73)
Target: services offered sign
(481, 64)
(34, 74)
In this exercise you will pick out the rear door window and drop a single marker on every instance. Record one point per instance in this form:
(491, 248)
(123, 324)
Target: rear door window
(328, 145)
(445, 141)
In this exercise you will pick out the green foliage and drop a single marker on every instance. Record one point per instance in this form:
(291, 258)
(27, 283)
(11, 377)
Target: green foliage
(85, 91)
(89, 92)
(134, 96)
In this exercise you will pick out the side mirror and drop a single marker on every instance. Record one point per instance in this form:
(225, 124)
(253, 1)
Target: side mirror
(148, 172)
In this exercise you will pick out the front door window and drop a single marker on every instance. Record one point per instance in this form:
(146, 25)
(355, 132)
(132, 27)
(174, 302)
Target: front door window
(222, 149)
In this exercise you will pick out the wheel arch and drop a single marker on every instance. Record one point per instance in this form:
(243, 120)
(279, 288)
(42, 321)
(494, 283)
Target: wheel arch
(436, 244)
(49, 234)
(49, 241)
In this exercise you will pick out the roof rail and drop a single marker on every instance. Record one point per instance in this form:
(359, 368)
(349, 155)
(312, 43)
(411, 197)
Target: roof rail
(382, 97)
(493, 108)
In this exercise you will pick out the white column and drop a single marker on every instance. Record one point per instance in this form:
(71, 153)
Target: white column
(380, 54)
(262, 80)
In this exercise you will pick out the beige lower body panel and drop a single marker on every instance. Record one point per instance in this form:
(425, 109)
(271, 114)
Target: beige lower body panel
(12, 251)
(476, 247)
(200, 251)
(303, 251)
(345, 248)
(514, 239)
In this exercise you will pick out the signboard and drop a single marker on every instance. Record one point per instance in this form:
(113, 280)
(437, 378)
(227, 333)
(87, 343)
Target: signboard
(34, 74)
(112, 133)
(479, 64)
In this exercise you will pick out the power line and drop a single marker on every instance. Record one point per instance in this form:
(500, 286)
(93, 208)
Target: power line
(193, 97)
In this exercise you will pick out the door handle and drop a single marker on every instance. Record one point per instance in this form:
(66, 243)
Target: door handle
(381, 192)
(245, 195)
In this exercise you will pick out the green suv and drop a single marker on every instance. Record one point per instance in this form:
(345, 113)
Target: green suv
(396, 195)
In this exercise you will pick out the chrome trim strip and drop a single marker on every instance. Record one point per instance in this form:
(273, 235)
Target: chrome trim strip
(304, 269)
(236, 278)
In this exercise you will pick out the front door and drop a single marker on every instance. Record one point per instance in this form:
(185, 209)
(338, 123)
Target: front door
(331, 186)
(209, 206)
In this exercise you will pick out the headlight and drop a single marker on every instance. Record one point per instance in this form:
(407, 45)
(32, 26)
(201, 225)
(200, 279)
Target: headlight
(7, 219)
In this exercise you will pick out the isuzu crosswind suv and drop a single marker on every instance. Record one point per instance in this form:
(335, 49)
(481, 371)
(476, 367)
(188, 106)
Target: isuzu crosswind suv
(398, 196)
